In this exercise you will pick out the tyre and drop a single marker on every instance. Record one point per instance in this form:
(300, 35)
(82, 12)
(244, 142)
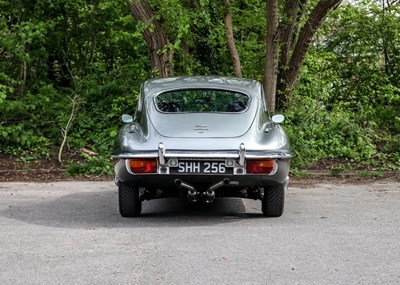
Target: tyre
(273, 201)
(129, 202)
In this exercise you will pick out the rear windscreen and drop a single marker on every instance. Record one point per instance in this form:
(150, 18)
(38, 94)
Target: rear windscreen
(202, 100)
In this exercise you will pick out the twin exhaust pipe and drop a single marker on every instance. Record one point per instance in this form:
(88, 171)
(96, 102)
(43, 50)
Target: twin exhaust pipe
(193, 194)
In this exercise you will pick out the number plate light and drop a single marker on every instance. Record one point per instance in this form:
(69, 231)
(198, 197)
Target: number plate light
(173, 162)
(229, 163)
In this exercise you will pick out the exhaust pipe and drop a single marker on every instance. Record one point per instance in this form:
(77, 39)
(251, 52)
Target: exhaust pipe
(210, 191)
(180, 183)
(192, 192)
(226, 181)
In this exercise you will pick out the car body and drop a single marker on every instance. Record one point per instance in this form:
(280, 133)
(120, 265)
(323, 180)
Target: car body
(200, 138)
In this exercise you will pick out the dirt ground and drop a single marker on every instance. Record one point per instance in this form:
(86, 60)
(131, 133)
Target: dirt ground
(43, 170)
(48, 170)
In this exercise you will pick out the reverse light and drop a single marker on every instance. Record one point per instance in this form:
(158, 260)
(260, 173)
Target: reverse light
(264, 166)
(143, 165)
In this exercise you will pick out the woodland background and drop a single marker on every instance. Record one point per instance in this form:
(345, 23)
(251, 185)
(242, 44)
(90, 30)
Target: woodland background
(70, 68)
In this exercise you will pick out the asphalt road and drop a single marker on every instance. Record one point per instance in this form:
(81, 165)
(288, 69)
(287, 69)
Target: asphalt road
(71, 233)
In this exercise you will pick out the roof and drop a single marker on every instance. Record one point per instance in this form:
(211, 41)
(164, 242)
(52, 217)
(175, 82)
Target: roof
(159, 85)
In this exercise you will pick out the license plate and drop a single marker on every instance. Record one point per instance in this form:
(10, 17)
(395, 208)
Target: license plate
(206, 167)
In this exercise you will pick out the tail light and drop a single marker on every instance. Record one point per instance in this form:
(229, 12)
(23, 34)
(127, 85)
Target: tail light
(264, 166)
(143, 165)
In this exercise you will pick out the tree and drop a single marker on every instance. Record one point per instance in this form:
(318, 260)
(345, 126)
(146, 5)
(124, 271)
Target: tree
(181, 35)
(291, 27)
(230, 40)
(156, 39)
(288, 41)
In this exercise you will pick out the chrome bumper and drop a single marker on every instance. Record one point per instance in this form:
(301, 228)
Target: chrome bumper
(241, 154)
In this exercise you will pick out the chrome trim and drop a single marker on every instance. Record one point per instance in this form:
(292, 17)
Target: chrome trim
(163, 170)
(128, 167)
(196, 154)
(242, 153)
(272, 154)
(128, 155)
(275, 169)
(161, 153)
(207, 154)
(239, 171)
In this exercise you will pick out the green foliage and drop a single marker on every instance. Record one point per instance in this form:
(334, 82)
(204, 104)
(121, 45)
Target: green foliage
(198, 40)
(96, 165)
(317, 132)
(250, 34)
(28, 123)
(371, 174)
(54, 49)
(347, 103)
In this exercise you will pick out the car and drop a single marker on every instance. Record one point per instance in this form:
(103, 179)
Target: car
(201, 138)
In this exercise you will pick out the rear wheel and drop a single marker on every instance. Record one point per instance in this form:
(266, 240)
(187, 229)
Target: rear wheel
(129, 201)
(274, 200)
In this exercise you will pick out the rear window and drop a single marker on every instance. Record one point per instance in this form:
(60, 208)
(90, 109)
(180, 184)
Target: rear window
(202, 100)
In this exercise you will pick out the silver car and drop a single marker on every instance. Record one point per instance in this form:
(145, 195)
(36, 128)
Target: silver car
(201, 138)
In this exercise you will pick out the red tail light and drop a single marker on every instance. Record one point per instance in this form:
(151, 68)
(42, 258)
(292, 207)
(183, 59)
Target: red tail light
(143, 165)
(264, 166)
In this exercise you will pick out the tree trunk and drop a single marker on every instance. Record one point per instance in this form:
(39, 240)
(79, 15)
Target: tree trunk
(287, 45)
(307, 32)
(230, 40)
(156, 40)
(288, 31)
(22, 78)
(271, 62)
